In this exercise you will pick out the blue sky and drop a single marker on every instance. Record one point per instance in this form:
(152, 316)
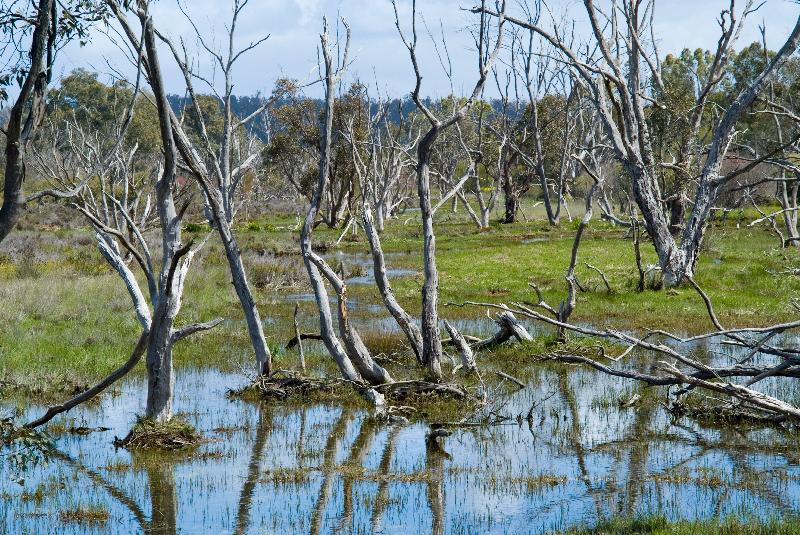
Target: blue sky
(378, 54)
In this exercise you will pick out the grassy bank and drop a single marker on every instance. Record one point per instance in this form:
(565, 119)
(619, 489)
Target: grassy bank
(67, 319)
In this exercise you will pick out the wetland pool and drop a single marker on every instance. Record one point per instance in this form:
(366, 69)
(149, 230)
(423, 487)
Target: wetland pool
(322, 468)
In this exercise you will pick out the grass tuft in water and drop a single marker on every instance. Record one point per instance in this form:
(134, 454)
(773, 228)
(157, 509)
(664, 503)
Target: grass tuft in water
(94, 515)
(173, 434)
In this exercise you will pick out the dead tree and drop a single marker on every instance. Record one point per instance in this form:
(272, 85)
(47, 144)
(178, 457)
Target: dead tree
(678, 367)
(118, 206)
(552, 106)
(221, 181)
(431, 341)
(382, 169)
(351, 355)
(782, 163)
(166, 284)
(375, 183)
(476, 156)
(567, 306)
(620, 95)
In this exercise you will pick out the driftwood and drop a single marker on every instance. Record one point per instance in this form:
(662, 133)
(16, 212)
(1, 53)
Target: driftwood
(510, 378)
(702, 375)
(509, 326)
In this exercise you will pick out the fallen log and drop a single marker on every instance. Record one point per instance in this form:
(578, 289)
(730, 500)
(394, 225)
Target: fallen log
(302, 336)
(509, 326)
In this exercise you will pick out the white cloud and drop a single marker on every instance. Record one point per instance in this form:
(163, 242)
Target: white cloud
(377, 51)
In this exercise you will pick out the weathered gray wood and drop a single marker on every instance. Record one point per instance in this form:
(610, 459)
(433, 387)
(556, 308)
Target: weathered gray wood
(160, 380)
(508, 327)
(467, 356)
(403, 319)
(359, 355)
(220, 192)
(113, 377)
(431, 340)
(220, 182)
(619, 99)
(332, 342)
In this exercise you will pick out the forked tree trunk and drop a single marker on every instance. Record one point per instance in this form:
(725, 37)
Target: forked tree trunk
(160, 378)
(331, 341)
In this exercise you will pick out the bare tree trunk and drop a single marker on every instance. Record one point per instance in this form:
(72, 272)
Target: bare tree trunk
(511, 198)
(541, 173)
(255, 328)
(20, 128)
(403, 319)
(161, 380)
(221, 186)
(431, 341)
(160, 376)
(327, 332)
(788, 199)
(354, 347)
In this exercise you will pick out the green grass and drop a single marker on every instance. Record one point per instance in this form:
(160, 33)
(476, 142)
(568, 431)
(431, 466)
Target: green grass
(659, 525)
(68, 319)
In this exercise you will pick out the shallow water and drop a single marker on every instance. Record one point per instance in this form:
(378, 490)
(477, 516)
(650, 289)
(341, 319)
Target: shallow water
(324, 469)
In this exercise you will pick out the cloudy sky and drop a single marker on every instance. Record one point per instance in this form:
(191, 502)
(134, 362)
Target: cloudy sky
(379, 57)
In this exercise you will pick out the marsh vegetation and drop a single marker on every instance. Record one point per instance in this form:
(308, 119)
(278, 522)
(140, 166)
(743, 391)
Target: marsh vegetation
(569, 307)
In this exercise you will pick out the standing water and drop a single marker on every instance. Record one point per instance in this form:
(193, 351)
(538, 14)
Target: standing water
(581, 457)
